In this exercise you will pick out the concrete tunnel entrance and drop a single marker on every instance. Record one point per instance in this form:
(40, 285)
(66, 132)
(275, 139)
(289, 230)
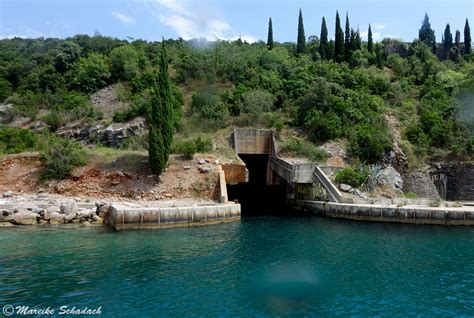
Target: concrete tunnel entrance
(256, 196)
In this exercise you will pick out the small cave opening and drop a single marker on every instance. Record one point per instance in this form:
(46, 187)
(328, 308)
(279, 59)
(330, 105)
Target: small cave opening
(256, 197)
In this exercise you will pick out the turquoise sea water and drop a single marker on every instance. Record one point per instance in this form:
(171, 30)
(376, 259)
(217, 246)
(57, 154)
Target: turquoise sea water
(261, 266)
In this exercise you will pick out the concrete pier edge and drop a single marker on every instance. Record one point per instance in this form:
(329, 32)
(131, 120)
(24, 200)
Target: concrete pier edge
(374, 213)
(127, 218)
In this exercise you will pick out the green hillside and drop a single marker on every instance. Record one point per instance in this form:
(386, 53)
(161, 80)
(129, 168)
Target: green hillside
(323, 90)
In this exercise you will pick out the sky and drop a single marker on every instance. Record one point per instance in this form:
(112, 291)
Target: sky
(213, 19)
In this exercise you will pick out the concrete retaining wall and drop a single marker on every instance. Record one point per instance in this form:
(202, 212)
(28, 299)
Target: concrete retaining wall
(235, 173)
(416, 215)
(126, 218)
(253, 141)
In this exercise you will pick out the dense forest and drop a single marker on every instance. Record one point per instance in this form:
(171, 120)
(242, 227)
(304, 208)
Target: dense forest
(340, 88)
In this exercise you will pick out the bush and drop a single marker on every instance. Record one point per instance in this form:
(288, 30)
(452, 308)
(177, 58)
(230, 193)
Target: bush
(257, 102)
(136, 142)
(203, 145)
(188, 147)
(90, 73)
(353, 177)
(53, 120)
(15, 140)
(297, 147)
(124, 62)
(60, 157)
(369, 143)
(208, 106)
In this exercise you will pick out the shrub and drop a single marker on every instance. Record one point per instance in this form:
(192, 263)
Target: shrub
(136, 142)
(15, 140)
(369, 143)
(373, 179)
(53, 120)
(90, 73)
(257, 102)
(203, 145)
(137, 109)
(60, 157)
(124, 62)
(353, 177)
(188, 147)
(298, 147)
(208, 106)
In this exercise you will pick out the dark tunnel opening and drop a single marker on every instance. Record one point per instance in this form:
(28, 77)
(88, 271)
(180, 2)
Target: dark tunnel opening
(256, 197)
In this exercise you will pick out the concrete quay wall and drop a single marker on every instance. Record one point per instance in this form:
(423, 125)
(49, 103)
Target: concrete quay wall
(415, 215)
(126, 218)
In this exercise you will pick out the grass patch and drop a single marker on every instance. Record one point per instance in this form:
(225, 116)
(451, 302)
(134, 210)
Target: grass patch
(410, 195)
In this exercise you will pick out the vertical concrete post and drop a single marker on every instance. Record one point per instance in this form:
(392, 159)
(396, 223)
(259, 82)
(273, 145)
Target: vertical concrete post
(222, 186)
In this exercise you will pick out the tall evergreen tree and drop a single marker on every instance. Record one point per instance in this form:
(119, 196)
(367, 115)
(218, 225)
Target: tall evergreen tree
(347, 40)
(426, 33)
(161, 119)
(155, 136)
(447, 41)
(338, 41)
(457, 46)
(467, 38)
(358, 40)
(352, 42)
(457, 41)
(370, 41)
(270, 35)
(323, 42)
(301, 43)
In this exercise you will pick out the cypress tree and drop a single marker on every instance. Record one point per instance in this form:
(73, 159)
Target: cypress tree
(457, 41)
(358, 40)
(347, 40)
(301, 43)
(338, 41)
(457, 46)
(447, 41)
(426, 33)
(161, 119)
(155, 137)
(370, 41)
(352, 42)
(165, 92)
(467, 38)
(330, 50)
(323, 43)
(270, 35)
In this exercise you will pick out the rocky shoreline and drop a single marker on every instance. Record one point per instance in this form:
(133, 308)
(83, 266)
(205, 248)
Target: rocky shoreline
(18, 209)
(46, 209)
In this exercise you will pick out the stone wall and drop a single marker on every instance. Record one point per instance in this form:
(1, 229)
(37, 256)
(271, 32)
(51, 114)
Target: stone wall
(420, 184)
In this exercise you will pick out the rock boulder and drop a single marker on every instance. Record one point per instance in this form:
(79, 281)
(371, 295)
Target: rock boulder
(389, 176)
(25, 218)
